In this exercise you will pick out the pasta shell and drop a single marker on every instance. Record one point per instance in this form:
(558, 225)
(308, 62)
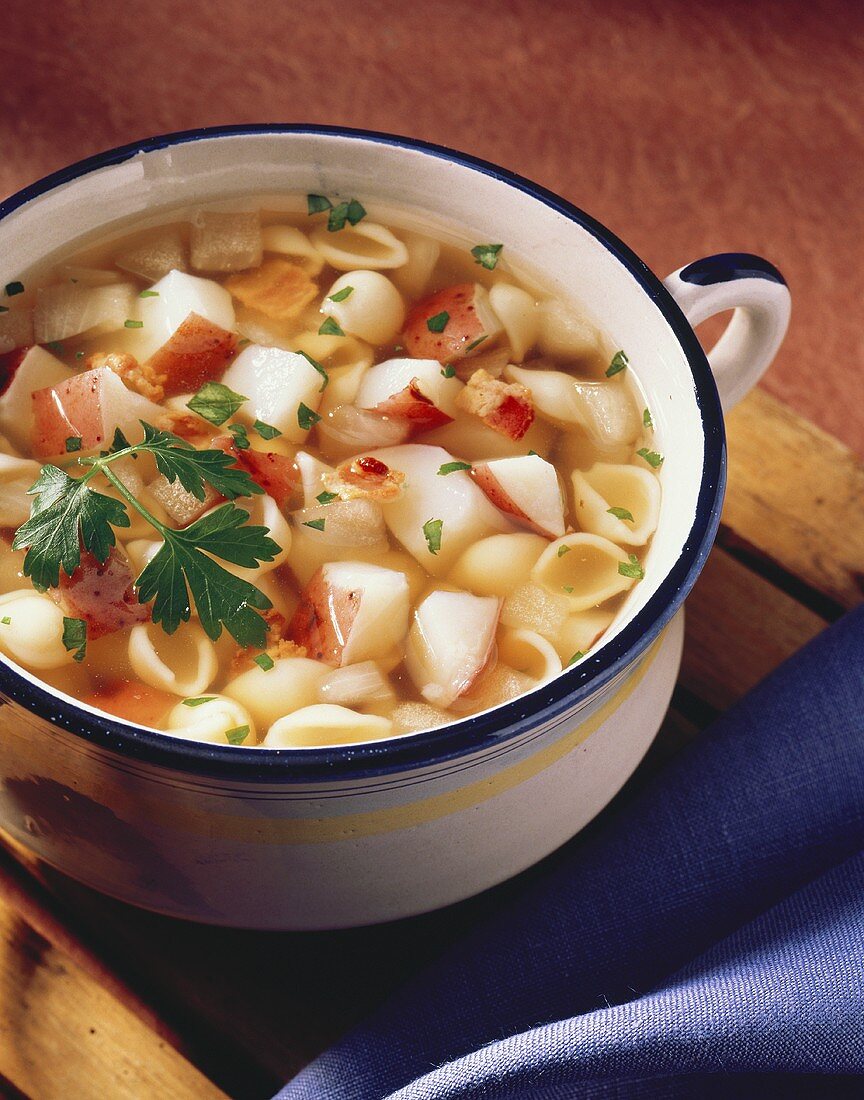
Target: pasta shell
(326, 724)
(367, 245)
(608, 486)
(582, 569)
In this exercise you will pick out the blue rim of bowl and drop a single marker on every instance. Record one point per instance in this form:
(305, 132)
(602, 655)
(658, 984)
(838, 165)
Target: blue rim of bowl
(465, 736)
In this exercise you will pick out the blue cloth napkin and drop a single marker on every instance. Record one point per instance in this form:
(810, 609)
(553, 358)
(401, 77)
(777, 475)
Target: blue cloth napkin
(707, 941)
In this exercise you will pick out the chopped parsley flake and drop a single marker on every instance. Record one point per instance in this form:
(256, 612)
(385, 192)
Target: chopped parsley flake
(75, 637)
(73, 443)
(646, 418)
(439, 322)
(476, 343)
(432, 533)
(341, 295)
(568, 588)
(264, 661)
(266, 431)
(244, 342)
(619, 363)
(306, 417)
(330, 328)
(237, 736)
(631, 568)
(651, 457)
(620, 513)
(197, 702)
(133, 324)
(327, 498)
(315, 524)
(79, 354)
(215, 402)
(56, 347)
(452, 467)
(356, 211)
(314, 363)
(316, 204)
(351, 212)
(449, 371)
(534, 453)
(14, 288)
(241, 436)
(6, 620)
(486, 255)
(577, 656)
(562, 550)
(149, 294)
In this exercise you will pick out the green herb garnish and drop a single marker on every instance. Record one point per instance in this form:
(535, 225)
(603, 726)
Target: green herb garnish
(198, 702)
(631, 568)
(149, 294)
(351, 212)
(562, 550)
(356, 211)
(651, 457)
(439, 322)
(56, 347)
(73, 443)
(75, 637)
(620, 513)
(619, 363)
(327, 498)
(432, 533)
(306, 417)
(341, 295)
(245, 342)
(330, 328)
(79, 354)
(317, 204)
(314, 363)
(315, 524)
(241, 436)
(486, 255)
(215, 402)
(264, 661)
(476, 343)
(646, 419)
(133, 324)
(6, 620)
(452, 467)
(449, 371)
(68, 514)
(568, 588)
(237, 736)
(14, 288)
(577, 656)
(266, 431)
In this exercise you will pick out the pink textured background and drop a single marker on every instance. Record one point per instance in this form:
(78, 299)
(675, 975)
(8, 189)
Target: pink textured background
(687, 128)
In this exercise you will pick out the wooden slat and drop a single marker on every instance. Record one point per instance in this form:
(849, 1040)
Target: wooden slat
(796, 494)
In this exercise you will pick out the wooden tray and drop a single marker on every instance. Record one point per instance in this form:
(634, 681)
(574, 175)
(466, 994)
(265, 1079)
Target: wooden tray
(101, 1000)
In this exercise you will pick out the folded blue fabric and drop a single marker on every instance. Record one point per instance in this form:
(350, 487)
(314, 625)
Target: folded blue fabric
(707, 941)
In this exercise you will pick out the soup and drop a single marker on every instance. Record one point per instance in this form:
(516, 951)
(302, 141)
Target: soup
(291, 479)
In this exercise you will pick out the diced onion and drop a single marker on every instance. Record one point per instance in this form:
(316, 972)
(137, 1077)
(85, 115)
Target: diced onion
(355, 684)
(70, 310)
(346, 523)
(348, 430)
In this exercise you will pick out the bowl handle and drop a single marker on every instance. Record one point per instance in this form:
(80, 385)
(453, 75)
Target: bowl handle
(757, 292)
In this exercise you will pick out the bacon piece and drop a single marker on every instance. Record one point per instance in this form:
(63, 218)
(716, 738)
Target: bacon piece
(414, 406)
(136, 702)
(365, 478)
(278, 288)
(141, 377)
(277, 474)
(102, 595)
(187, 425)
(197, 352)
(503, 406)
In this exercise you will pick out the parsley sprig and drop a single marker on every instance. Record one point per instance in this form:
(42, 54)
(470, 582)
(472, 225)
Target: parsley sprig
(68, 513)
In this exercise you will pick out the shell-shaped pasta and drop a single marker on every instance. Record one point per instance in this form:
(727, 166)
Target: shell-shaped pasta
(16, 477)
(561, 332)
(607, 487)
(373, 309)
(337, 351)
(575, 451)
(291, 684)
(211, 721)
(529, 653)
(496, 565)
(286, 240)
(31, 630)
(357, 685)
(583, 569)
(184, 663)
(518, 313)
(344, 383)
(365, 245)
(423, 253)
(326, 724)
(581, 631)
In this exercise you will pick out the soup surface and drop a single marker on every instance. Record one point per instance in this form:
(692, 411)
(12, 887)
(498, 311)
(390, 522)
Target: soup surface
(299, 479)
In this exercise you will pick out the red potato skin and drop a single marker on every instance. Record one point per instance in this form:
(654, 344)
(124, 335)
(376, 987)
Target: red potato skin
(102, 595)
(9, 364)
(72, 408)
(196, 353)
(486, 480)
(135, 702)
(463, 327)
(277, 474)
(414, 407)
(323, 619)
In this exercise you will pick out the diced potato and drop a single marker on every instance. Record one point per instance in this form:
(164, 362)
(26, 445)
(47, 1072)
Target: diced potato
(174, 297)
(197, 352)
(35, 370)
(452, 324)
(450, 643)
(225, 241)
(277, 383)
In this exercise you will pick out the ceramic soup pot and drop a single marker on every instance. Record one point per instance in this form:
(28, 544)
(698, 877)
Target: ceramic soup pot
(331, 837)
